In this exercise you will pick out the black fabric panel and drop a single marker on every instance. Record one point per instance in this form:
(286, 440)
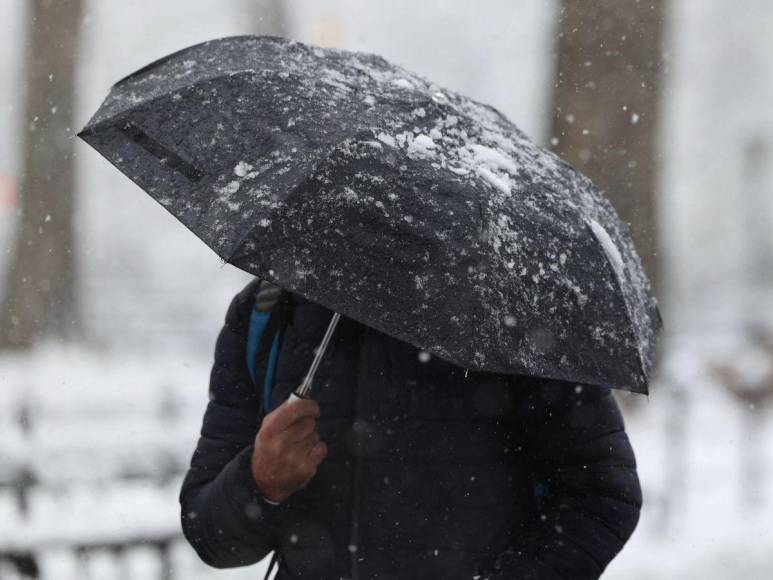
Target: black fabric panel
(575, 437)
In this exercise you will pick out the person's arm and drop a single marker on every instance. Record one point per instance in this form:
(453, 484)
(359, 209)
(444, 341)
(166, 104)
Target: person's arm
(586, 482)
(224, 516)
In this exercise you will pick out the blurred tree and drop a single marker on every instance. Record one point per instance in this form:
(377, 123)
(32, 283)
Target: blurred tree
(605, 105)
(748, 376)
(40, 296)
(758, 211)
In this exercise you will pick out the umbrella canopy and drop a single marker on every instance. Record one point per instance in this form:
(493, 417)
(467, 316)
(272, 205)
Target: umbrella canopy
(380, 195)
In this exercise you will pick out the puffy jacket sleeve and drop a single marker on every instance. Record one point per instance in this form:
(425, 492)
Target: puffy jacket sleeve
(223, 514)
(586, 484)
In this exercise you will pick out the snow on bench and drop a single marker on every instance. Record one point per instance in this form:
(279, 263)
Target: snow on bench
(92, 465)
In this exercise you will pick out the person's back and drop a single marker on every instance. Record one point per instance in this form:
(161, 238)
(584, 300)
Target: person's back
(430, 471)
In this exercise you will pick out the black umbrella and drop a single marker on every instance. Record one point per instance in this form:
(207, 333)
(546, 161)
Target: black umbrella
(402, 205)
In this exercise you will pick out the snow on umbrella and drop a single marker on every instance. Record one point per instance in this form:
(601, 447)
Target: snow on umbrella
(378, 194)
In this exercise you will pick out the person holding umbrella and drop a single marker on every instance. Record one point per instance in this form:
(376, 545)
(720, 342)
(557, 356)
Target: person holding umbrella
(405, 468)
(463, 300)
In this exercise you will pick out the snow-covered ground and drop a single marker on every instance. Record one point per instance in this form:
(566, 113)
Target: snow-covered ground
(697, 521)
(108, 438)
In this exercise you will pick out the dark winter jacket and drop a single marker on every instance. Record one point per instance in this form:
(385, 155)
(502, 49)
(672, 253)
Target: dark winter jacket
(432, 473)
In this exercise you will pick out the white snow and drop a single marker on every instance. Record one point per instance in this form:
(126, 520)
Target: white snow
(386, 139)
(350, 195)
(498, 181)
(421, 146)
(242, 168)
(610, 248)
(492, 158)
(230, 188)
(403, 83)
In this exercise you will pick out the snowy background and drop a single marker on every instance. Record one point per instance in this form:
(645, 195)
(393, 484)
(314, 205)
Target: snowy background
(107, 427)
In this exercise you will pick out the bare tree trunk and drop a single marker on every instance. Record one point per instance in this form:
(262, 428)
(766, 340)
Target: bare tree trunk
(753, 459)
(676, 453)
(758, 211)
(605, 105)
(40, 294)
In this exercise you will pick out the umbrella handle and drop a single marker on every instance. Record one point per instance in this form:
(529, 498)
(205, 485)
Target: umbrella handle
(294, 398)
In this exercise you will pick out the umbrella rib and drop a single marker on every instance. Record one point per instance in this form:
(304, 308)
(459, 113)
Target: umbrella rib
(476, 304)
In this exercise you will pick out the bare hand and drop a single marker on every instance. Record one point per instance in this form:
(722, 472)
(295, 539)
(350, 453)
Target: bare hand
(287, 450)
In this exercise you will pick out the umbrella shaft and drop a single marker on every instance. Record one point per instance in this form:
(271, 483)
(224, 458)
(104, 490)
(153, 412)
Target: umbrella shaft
(303, 390)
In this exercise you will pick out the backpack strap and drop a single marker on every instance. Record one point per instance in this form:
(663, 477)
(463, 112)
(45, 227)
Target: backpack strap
(267, 321)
